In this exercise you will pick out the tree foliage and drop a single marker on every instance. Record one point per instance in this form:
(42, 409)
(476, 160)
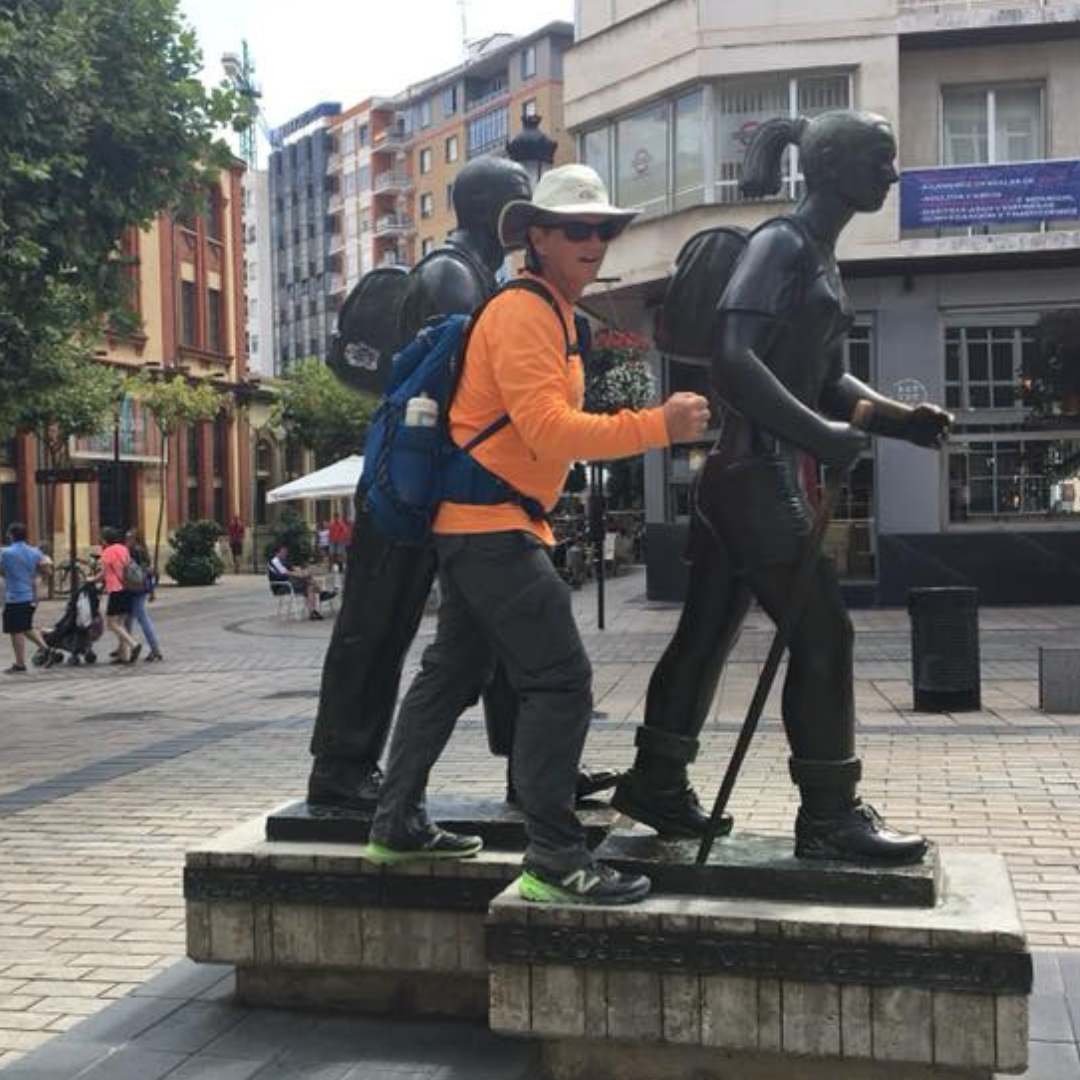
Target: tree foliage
(103, 124)
(82, 403)
(321, 413)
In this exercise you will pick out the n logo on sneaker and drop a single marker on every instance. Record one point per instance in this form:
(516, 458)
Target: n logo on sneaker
(582, 881)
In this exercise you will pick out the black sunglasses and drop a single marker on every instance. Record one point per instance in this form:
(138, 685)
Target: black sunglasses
(577, 232)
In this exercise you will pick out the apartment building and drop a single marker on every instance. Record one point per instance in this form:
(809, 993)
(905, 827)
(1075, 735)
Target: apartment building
(258, 274)
(187, 281)
(952, 305)
(303, 234)
(392, 161)
(476, 108)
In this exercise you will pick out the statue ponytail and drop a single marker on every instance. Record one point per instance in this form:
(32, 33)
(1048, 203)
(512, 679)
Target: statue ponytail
(763, 167)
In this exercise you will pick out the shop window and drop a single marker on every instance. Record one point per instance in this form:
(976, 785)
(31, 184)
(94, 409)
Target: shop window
(596, 153)
(689, 151)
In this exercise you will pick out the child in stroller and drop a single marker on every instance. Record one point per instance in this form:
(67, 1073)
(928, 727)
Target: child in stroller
(75, 631)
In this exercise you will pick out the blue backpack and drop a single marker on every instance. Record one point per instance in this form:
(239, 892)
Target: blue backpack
(409, 470)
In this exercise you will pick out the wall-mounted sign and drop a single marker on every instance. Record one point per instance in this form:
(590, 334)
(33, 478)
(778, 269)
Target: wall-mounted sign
(990, 194)
(910, 392)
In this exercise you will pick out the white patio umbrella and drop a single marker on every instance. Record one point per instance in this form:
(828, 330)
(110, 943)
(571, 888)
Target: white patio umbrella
(333, 482)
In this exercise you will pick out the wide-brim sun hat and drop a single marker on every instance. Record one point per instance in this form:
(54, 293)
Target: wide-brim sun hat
(563, 194)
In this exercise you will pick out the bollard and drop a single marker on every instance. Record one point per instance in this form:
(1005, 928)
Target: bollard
(945, 672)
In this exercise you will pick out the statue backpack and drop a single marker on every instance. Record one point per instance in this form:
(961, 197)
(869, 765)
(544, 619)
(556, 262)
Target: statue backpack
(701, 273)
(411, 464)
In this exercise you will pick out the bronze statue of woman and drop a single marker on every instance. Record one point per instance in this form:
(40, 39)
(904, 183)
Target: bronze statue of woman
(778, 367)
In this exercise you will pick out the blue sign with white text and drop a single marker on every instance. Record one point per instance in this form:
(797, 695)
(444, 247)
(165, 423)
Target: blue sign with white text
(990, 194)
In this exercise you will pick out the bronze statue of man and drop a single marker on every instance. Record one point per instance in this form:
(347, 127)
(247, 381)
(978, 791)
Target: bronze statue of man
(778, 366)
(387, 583)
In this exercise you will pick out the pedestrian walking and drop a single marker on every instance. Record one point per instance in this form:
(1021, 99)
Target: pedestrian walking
(115, 559)
(236, 543)
(140, 598)
(501, 594)
(21, 563)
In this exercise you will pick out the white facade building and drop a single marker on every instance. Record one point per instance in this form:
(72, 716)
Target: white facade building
(258, 271)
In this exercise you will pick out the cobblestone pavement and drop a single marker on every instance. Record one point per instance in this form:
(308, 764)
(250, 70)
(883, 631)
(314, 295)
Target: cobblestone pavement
(107, 774)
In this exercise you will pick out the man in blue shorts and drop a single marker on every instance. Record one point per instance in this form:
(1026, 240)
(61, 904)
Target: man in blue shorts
(20, 563)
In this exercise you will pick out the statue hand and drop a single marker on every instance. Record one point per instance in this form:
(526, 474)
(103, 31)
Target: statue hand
(686, 416)
(843, 444)
(928, 425)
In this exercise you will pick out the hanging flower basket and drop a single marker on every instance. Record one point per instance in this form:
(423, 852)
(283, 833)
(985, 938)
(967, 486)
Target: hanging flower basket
(618, 374)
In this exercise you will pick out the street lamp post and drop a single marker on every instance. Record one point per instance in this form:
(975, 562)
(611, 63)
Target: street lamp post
(531, 148)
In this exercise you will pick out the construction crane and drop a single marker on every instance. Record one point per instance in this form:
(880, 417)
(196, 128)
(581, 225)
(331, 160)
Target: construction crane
(240, 71)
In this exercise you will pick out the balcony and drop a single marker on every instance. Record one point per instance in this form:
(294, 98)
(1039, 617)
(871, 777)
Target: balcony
(490, 98)
(392, 258)
(333, 163)
(393, 140)
(336, 284)
(934, 16)
(337, 243)
(334, 203)
(392, 180)
(393, 225)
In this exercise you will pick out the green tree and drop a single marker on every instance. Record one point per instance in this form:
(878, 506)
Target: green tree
(174, 403)
(103, 124)
(82, 404)
(321, 413)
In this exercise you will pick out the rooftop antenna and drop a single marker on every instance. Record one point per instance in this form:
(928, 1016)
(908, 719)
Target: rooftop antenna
(463, 7)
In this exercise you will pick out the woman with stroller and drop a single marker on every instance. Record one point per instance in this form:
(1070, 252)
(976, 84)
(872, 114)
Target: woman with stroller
(115, 558)
(140, 555)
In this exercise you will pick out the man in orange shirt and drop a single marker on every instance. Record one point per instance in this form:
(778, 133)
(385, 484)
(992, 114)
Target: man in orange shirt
(501, 595)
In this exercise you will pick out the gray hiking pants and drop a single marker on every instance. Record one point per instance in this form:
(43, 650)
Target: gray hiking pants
(501, 597)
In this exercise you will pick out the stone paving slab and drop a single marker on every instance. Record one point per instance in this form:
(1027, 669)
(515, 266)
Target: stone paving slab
(107, 775)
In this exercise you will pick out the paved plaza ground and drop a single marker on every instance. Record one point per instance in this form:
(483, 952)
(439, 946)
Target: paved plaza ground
(108, 774)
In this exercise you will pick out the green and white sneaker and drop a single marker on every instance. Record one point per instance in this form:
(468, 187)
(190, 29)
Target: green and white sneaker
(595, 884)
(439, 845)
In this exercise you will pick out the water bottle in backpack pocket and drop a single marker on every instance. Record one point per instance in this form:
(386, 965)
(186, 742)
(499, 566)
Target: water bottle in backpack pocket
(413, 468)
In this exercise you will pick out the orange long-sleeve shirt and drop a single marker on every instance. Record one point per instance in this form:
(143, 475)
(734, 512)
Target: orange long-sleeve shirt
(516, 364)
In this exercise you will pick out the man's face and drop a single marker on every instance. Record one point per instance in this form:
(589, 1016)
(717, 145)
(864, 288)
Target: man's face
(571, 262)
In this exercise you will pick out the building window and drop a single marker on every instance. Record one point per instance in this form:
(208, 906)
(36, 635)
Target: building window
(427, 245)
(596, 153)
(427, 204)
(348, 140)
(984, 365)
(689, 151)
(362, 135)
(983, 126)
(528, 62)
(349, 185)
(449, 196)
(529, 107)
(487, 131)
(452, 148)
(641, 140)
(450, 100)
(424, 113)
(425, 160)
(1016, 452)
(187, 313)
(742, 105)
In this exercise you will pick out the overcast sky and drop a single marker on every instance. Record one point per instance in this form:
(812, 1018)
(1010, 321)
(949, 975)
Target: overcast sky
(335, 50)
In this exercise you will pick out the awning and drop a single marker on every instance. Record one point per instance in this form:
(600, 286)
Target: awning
(335, 481)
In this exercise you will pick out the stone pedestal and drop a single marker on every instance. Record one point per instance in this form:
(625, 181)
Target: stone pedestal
(737, 988)
(316, 925)
(498, 824)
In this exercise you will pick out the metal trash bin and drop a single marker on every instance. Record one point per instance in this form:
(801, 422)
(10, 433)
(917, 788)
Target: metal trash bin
(945, 649)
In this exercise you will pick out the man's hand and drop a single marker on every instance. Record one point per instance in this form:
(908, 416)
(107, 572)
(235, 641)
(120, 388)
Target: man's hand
(928, 426)
(686, 416)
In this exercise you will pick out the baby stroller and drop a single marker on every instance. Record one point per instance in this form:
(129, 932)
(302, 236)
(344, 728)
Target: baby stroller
(75, 631)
